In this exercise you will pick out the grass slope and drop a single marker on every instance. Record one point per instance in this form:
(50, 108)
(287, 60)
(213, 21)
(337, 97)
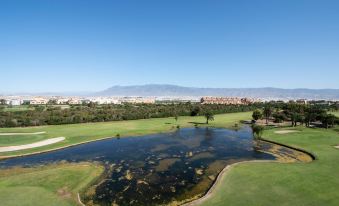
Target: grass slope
(315, 183)
(77, 133)
(49, 185)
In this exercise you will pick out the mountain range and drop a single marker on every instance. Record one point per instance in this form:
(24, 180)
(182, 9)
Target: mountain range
(174, 90)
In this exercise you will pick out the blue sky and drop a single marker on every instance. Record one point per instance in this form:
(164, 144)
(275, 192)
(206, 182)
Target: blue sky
(68, 45)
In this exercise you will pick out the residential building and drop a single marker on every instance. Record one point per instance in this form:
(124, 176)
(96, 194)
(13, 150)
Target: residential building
(227, 100)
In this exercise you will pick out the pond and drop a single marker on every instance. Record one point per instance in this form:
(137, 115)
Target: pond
(156, 169)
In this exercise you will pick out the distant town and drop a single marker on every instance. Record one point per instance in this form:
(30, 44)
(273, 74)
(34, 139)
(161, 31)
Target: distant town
(105, 100)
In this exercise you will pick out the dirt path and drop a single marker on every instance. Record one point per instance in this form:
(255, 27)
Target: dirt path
(32, 145)
(12, 134)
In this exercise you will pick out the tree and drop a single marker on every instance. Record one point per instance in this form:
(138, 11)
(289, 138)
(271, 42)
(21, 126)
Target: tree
(301, 119)
(328, 120)
(279, 117)
(92, 105)
(309, 117)
(257, 115)
(176, 117)
(195, 111)
(2, 101)
(52, 102)
(39, 108)
(209, 116)
(257, 131)
(267, 112)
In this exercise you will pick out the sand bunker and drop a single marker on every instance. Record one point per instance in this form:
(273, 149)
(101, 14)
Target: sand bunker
(12, 134)
(33, 145)
(285, 131)
(336, 146)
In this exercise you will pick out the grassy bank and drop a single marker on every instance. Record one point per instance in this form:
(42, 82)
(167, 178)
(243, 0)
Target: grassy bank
(313, 183)
(78, 133)
(54, 185)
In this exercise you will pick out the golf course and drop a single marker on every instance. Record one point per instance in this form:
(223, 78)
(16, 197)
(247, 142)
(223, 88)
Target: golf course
(81, 133)
(247, 183)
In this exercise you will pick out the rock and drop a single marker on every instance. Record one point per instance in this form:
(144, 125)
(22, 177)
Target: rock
(199, 171)
(128, 175)
(211, 177)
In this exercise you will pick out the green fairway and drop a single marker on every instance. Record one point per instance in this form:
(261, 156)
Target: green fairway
(10, 140)
(55, 185)
(315, 183)
(77, 133)
(336, 113)
(18, 108)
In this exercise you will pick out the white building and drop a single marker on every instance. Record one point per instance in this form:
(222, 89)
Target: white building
(15, 102)
(38, 101)
(62, 101)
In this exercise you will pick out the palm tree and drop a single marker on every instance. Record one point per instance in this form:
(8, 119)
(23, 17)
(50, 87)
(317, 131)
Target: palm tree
(309, 117)
(267, 112)
(209, 116)
(257, 131)
(294, 119)
(328, 120)
(176, 117)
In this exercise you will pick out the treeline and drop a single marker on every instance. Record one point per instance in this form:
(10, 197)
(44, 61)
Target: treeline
(48, 115)
(298, 114)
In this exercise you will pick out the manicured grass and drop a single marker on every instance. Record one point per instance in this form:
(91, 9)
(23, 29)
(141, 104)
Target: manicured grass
(11, 140)
(18, 108)
(336, 113)
(55, 185)
(315, 183)
(77, 133)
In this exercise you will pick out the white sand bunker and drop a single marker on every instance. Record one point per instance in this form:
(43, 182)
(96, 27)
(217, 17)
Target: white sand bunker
(12, 134)
(336, 146)
(285, 131)
(32, 145)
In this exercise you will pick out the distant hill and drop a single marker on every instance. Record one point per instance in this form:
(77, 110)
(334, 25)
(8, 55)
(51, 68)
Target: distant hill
(173, 90)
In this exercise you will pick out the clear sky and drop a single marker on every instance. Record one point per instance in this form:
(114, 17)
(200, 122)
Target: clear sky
(68, 45)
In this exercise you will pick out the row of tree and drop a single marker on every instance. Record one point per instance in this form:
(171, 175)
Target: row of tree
(296, 114)
(49, 115)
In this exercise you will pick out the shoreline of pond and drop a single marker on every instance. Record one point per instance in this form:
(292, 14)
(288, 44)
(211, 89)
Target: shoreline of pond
(227, 168)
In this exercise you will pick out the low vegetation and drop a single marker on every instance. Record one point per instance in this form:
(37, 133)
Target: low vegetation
(52, 115)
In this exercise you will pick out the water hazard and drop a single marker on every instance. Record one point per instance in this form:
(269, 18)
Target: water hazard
(160, 169)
